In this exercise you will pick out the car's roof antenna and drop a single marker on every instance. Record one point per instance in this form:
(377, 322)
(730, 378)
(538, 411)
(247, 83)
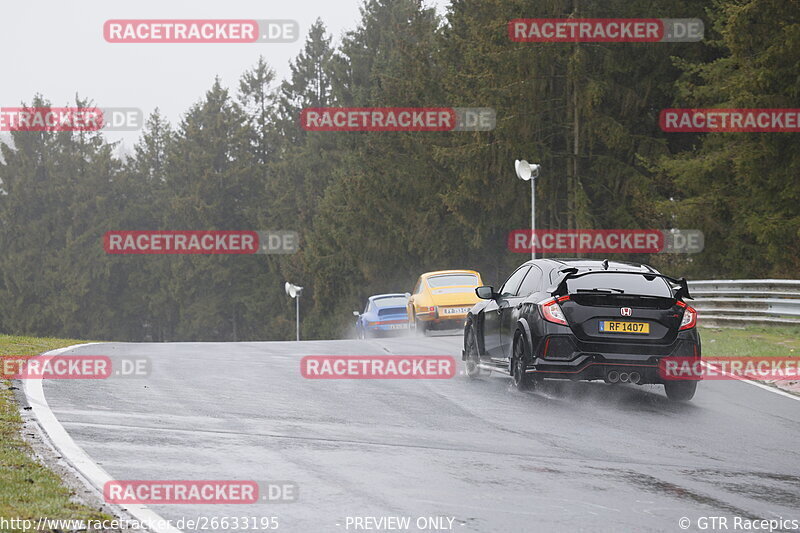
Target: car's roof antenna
(605, 264)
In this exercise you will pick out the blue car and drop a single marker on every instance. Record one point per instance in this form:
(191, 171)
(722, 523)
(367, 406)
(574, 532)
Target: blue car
(384, 314)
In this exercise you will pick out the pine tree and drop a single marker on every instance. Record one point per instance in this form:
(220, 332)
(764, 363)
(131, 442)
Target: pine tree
(741, 189)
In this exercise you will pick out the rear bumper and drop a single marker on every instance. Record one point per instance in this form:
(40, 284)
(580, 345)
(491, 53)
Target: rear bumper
(444, 314)
(436, 317)
(388, 329)
(444, 323)
(598, 366)
(648, 363)
(437, 320)
(590, 367)
(561, 355)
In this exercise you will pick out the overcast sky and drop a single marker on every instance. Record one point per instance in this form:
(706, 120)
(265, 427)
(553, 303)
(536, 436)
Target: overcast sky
(56, 48)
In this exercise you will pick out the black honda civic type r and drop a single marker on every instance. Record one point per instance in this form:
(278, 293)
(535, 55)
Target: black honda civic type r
(583, 320)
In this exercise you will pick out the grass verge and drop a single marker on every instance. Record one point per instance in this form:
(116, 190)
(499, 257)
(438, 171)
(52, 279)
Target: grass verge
(751, 341)
(29, 490)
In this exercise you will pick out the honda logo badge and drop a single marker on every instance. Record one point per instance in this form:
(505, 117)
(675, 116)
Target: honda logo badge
(625, 311)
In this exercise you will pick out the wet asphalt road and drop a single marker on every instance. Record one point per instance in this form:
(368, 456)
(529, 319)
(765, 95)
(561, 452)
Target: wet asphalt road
(568, 457)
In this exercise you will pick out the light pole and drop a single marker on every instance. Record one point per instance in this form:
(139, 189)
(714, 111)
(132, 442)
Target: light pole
(529, 172)
(294, 291)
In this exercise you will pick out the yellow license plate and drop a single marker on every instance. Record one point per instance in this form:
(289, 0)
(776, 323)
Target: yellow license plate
(614, 326)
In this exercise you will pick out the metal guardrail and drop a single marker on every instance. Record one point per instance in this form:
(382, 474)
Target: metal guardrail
(736, 302)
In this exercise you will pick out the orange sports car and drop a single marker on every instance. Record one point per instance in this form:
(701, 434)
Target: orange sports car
(442, 299)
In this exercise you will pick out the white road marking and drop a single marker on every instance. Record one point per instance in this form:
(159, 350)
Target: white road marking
(74, 454)
(756, 383)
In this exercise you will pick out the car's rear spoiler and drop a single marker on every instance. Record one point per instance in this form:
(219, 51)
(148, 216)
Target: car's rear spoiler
(680, 285)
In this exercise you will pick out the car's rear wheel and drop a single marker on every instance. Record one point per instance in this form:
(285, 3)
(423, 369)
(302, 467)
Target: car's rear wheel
(680, 391)
(519, 362)
(472, 360)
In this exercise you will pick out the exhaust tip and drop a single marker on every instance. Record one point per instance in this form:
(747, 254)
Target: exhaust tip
(623, 377)
(634, 377)
(613, 376)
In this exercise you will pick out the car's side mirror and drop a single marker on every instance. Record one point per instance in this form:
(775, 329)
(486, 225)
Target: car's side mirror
(408, 295)
(356, 313)
(485, 292)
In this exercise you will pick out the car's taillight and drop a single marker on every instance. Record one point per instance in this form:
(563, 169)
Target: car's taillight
(552, 312)
(689, 319)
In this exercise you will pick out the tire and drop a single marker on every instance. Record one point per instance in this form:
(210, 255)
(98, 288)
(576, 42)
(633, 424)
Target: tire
(680, 391)
(521, 379)
(471, 368)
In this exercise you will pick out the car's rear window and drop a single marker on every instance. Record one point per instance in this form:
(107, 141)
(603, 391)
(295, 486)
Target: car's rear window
(391, 301)
(630, 283)
(449, 280)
